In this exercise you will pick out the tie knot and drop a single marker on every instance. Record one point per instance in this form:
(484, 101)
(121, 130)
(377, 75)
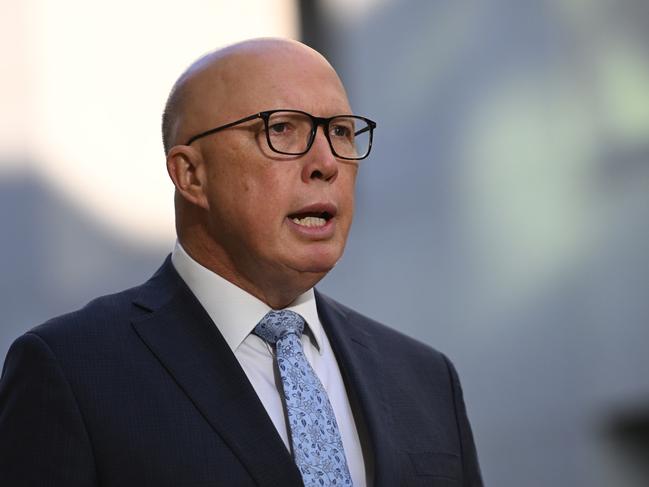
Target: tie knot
(277, 324)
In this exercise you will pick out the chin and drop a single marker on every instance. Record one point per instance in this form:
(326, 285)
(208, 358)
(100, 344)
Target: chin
(316, 258)
(317, 265)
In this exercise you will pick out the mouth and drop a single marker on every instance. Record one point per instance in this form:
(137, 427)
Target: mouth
(314, 216)
(311, 219)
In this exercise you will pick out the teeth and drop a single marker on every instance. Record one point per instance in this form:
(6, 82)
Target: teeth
(310, 221)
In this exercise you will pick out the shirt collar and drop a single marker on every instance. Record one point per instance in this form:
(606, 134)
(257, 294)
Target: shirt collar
(235, 311)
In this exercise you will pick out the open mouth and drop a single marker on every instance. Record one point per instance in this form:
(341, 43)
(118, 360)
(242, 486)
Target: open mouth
(311, 219)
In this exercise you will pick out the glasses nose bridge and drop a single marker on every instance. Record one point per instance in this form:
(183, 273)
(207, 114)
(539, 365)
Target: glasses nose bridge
(315, 123)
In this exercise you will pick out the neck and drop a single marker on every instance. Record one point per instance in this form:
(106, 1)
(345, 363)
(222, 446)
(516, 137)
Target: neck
(277, 291)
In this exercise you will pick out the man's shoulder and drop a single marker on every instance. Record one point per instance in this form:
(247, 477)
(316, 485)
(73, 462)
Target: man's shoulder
(103, 316)
(383, 336)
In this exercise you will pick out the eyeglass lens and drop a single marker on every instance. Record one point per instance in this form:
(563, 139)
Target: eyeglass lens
(291, 133)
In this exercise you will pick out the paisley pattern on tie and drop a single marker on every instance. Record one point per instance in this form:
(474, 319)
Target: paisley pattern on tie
(317, 446)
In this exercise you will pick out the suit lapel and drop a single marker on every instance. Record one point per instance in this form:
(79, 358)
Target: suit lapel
(360, 366)
(180, 333)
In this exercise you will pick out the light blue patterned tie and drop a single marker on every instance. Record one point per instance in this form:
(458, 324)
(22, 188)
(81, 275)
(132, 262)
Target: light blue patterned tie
(317, 446)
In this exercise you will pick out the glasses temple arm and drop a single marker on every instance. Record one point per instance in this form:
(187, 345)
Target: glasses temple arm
(223, 127)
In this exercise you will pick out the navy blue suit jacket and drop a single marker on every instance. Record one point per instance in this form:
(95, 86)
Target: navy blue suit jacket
(140, 389)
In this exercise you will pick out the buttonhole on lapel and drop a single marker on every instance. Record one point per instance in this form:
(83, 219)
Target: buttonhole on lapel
(436, 464)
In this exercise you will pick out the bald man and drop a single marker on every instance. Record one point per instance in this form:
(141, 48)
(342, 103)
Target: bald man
(176, 382)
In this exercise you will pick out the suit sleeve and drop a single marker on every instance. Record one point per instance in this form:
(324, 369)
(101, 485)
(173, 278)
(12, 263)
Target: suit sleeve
(43, 439)
(470, 467)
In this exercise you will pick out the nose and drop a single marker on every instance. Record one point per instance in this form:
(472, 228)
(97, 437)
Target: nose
(320, 163)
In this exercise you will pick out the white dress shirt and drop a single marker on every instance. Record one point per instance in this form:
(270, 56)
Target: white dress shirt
(236, 313)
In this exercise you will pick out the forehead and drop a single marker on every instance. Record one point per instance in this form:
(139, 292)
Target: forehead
(269, 78)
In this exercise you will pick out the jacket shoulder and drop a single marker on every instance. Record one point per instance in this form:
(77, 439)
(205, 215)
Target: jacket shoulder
(98, 313)
(384, 336)
(107, 314)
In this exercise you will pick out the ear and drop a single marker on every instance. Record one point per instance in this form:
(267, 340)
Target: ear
(187, 170)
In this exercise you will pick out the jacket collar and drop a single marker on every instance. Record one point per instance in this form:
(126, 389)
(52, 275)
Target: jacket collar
(180, 333)
(361, 367)
(188, 345)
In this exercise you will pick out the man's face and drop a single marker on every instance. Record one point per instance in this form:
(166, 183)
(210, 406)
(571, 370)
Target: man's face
(260, 203)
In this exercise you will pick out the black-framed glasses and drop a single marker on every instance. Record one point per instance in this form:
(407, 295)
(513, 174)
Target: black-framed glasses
(292, 132)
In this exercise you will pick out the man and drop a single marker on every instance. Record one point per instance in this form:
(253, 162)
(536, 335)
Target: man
(186, 380)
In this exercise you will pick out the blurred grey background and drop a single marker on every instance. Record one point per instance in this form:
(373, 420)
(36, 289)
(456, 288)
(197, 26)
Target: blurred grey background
(502, 218)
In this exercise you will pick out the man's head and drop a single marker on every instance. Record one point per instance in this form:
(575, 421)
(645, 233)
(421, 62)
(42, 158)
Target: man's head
(241, 209)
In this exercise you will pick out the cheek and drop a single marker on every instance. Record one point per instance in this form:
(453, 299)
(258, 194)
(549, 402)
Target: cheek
(347, 187)
(259, 200)
(229, 181)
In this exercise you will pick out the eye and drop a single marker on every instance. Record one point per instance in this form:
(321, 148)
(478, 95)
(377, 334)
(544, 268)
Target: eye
(340, 130)
(279, 128)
